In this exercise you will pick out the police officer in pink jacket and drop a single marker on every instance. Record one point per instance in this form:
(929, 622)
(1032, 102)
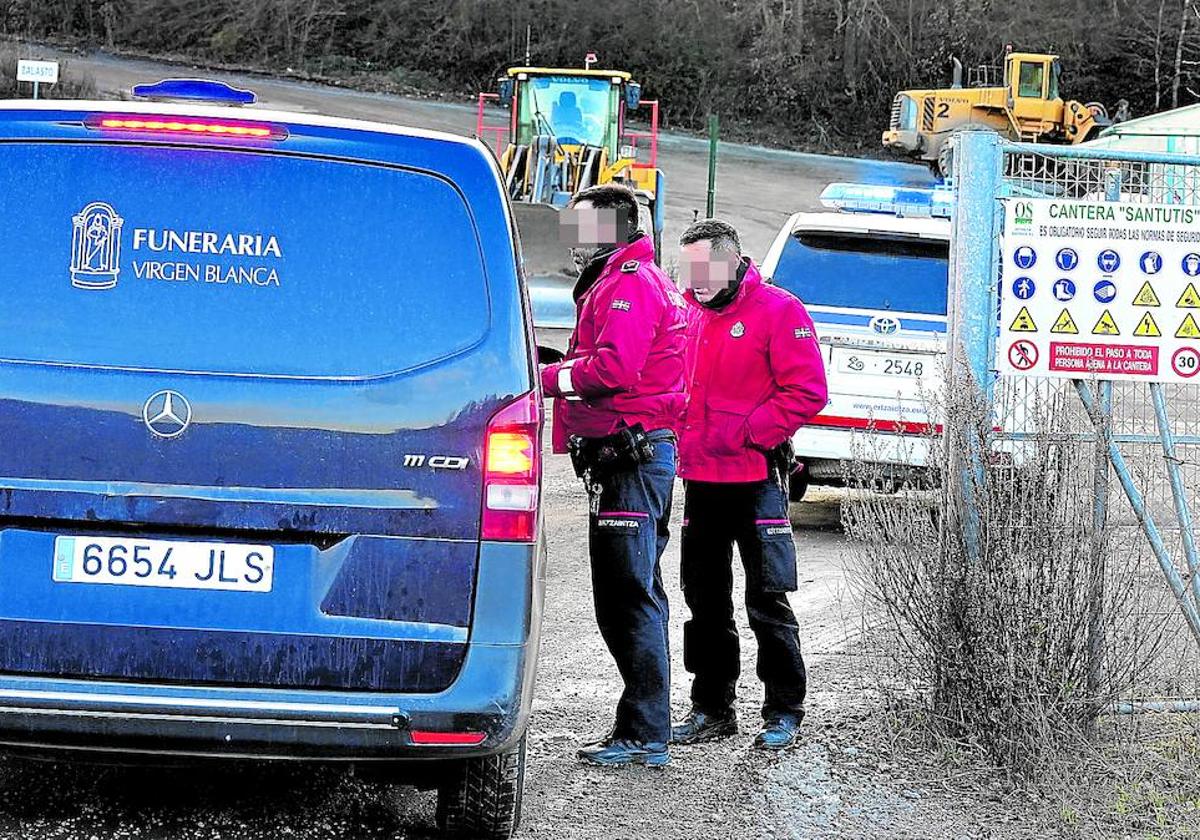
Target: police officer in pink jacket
(619, 397)
(755, 376)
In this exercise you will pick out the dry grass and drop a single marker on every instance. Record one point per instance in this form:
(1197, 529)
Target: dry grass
(1009, 656)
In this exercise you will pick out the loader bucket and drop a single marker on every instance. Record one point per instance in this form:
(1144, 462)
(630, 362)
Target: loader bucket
(545, 255)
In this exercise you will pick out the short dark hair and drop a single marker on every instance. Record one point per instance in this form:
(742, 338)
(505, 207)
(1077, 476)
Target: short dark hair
(613, 197)
(722, 235)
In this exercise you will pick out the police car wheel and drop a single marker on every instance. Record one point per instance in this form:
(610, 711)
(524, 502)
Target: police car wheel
(481, 797)
(798, 485)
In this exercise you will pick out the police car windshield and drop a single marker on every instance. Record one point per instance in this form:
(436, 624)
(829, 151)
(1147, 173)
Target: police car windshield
(866, 271)
(219, 261)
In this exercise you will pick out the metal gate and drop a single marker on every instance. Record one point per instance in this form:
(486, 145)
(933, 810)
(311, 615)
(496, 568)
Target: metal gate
(1145, 435)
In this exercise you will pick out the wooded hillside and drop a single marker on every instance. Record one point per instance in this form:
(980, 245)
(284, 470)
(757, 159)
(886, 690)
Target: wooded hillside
(805, 73)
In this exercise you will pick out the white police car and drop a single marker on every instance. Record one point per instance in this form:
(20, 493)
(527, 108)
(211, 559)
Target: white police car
(872, 271)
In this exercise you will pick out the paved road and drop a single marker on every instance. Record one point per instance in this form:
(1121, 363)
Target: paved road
(757, 188)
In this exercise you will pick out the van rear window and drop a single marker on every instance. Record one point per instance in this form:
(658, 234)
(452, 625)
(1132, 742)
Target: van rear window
(212, 260)
(866, 272)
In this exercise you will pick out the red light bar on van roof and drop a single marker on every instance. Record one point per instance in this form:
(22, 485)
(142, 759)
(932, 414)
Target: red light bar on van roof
(190, 126)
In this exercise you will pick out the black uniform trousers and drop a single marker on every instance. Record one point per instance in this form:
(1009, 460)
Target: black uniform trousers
(627, 536)
(755, 516)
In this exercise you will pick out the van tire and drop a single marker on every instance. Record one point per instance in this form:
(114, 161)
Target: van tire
(481, 797)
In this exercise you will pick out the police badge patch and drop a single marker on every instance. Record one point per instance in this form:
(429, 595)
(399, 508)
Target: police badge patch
(739, 330)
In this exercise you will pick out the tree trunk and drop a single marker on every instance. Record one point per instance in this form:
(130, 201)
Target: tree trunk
(1158, 45)
(1183, 22)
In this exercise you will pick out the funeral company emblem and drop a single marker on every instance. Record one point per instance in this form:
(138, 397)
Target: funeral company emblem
(96, 247)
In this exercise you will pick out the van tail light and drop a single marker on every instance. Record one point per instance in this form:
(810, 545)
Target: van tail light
(512, 471)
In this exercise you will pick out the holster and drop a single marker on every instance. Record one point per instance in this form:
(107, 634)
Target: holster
(623, 449)
(781, 463)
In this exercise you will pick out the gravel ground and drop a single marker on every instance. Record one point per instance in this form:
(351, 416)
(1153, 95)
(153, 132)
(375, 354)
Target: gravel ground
(844, 780)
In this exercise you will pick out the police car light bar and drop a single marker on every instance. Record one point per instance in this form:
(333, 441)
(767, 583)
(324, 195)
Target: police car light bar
(905, 202)
(196, 90)
(187, 125)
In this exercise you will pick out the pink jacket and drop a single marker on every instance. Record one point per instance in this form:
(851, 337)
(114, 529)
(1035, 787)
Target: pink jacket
(626, 357)
(756, 376)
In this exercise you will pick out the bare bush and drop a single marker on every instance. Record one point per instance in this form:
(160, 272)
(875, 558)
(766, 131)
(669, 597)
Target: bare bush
(1016, 640)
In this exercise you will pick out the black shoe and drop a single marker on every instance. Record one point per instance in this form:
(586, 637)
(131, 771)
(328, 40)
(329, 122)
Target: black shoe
(699, 726)
(779, 732)
(620, 752)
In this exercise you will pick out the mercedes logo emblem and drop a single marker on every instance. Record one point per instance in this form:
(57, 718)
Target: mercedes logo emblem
(167, 413)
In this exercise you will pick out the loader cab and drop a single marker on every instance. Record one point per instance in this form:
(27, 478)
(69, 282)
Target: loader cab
(575, 107)
(1032, 81)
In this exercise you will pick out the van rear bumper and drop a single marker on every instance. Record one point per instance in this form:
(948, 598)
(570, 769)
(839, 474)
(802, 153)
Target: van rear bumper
(491, 695)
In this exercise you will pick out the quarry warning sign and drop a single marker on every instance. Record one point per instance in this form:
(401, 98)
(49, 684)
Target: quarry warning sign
(1097, 289)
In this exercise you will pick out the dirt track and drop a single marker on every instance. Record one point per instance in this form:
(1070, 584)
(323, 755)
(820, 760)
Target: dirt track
(843, 782)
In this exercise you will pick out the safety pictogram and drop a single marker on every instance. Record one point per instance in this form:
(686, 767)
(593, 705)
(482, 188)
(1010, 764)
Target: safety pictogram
(1105, 291)
(1146, 327)
(1186, 362)
(1063, 289)
(1065, 324)
(1023, 322)
(1106, 325)
(1189, 328)
(1023, 354)
(1190, 299)
(1146, 296)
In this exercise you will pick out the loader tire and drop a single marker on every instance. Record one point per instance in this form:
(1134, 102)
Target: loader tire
(945, 161)
(481, 798)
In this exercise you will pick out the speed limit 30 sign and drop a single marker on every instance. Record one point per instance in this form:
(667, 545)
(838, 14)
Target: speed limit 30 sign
(1186, 362)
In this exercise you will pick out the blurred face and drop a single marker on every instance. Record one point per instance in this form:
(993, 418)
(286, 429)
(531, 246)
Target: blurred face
(587, 229)
(705, 271)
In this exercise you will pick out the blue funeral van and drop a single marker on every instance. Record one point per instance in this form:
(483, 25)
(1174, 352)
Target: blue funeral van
(270, 445)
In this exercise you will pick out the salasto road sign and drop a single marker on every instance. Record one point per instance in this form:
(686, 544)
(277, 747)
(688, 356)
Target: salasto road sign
(1101, 289)
(42, 72)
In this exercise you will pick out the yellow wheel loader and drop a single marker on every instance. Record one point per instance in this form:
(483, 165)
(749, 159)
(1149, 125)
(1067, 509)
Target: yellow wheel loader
(567, 129)
(1022, 103)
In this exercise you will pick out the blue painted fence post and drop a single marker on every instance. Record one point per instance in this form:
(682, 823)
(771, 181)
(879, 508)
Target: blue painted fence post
(973, 312)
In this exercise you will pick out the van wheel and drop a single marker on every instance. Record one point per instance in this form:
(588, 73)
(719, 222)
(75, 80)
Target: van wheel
(481, 798)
